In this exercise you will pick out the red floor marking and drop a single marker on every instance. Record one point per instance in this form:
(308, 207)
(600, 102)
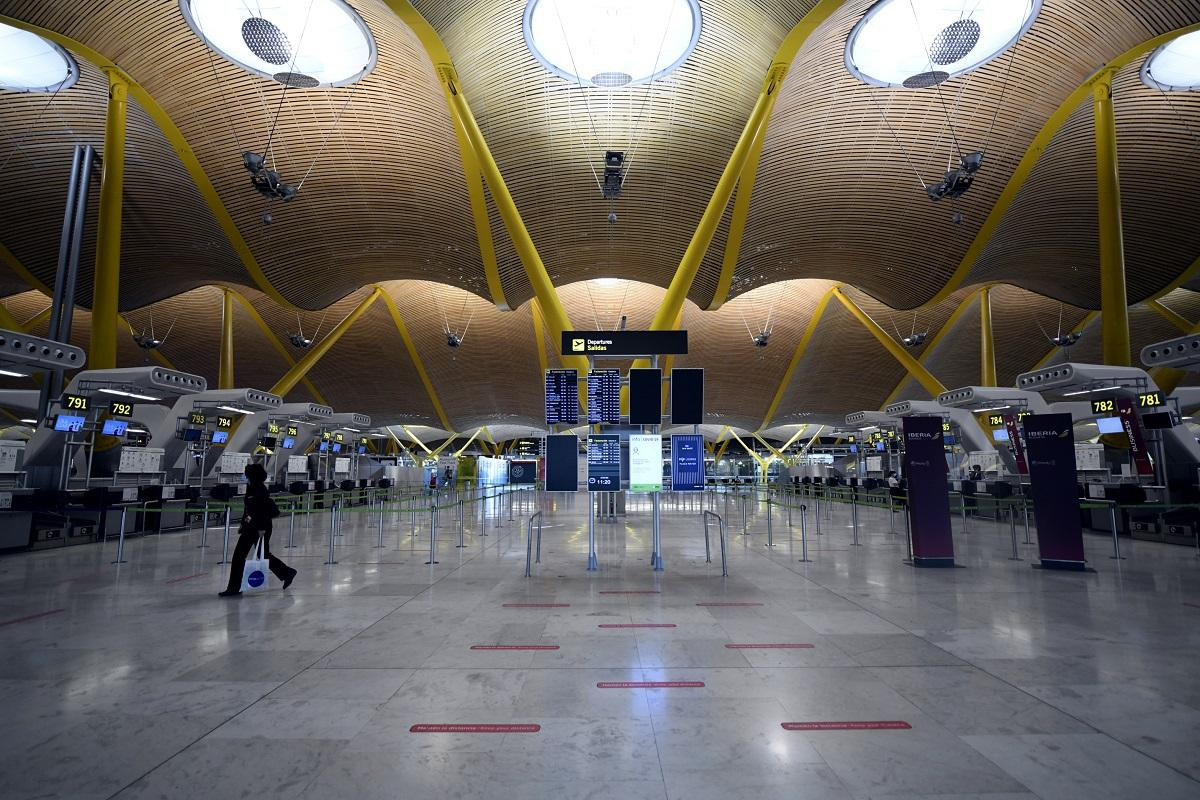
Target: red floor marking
(475, 729)
(1193, 605)
(32, 617)
(536, 605)
(781, 646)
(650, 685)
(883, 725)
(633, 591)
(729, 605)
(187, 578)
(640, 625)
(514, 647)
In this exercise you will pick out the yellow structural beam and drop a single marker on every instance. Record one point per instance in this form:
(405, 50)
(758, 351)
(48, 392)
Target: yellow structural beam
(106, 282)
(225, 369)
(721, 450)
(402, 329)
(668, 364)
(319, 349)
(780, 453)
(462, 449)
(1114, 303)
(798, 354)
(931, 346)
(747, 169)
(178, 143)
(987, 341)
(39, 318)
(762, 462)
(8, 321)
(413, 436)
(1170, 316)
(815, 437)
(535, 311)
(444, 445)
(914, 367)
(273, 339)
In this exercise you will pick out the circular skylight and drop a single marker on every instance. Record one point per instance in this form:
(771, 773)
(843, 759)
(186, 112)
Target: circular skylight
(1175, 67)
(611, 43)
(299, 43)
(921, 43)
(29, 63)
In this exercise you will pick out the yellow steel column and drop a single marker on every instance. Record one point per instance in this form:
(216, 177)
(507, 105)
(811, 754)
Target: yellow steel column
(1114, 304)
(293, 375)
(914, 367)
(1154, 305)
(106, 284)
(225, 372)
(987, 344)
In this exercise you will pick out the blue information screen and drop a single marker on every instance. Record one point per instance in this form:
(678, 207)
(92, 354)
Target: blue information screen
(687, 463)
(604, 462)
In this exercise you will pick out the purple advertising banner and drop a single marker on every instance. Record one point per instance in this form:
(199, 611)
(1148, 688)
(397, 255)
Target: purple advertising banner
(928, 503)
(1051, 447)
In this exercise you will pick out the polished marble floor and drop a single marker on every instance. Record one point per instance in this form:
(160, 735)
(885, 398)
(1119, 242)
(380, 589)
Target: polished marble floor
(138, 682)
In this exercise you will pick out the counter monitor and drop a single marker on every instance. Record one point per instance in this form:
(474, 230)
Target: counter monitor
(191, 434)
(337, 447)
(220, 437)
(115, 427)
(288, 442)
(1158, 421)
(68, 423)
(1001, 435)
(1109, 424)
(267, 442)
(324, 447)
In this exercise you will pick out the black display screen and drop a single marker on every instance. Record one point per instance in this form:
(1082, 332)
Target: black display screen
(645, 396)
(604, 396)
(562, 463)
(1159, 420)
(562, 397)
(687, 396)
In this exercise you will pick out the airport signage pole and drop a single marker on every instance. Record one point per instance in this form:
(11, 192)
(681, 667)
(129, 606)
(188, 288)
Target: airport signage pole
(928, 504)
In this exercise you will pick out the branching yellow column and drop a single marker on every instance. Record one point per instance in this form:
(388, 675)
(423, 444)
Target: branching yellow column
(1114, 309)
(914, 367)
(987, 344)
(106, 285)
(225, 372)
(293, 376)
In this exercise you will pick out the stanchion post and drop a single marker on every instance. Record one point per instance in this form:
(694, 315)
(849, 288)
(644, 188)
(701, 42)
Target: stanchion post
(121, 538)
(891, 512)
(1012, 528)
(204, 528)
(592, 563)
(1025, 508)
(707, 550)
(433, 526)
(804, 533)
(462, 523)
(291, 527)
(332, 531)
(225, 545)
(380, 545)
(817, 507)
(854, 517)
(721, 533)
(1112, 520)
(770, 525)
(538, 558)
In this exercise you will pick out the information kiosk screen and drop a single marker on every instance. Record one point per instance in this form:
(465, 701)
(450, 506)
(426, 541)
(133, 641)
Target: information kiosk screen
(562, 397)
(68, 423)
(604, 396)
(114, 427)
(687, 396)
(645, 396)
(562, 463)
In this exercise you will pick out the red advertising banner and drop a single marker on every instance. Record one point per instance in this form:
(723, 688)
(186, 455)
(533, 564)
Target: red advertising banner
(1133, 429)
(1018, 447)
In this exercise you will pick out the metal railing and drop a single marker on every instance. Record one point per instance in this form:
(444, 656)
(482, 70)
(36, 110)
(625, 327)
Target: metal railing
(537, 515)
(721, 536)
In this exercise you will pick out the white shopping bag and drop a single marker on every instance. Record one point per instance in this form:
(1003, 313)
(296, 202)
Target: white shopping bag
(254, 576)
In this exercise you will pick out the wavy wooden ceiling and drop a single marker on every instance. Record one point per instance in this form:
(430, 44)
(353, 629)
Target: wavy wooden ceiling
(386, 202)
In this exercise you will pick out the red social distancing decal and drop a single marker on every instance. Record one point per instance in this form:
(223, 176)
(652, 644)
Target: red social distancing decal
(729, 605)
(514, 647)
(874, 725)
(774, 646)
(632, 591)
(650, 685)
(536, 605)
(32, 617)
(475, 729)
(639, 625)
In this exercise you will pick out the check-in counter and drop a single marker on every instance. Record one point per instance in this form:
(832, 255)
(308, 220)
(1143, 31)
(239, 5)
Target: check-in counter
(16, 518)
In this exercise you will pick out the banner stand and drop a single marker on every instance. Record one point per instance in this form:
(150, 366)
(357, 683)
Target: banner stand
(928, 511)
(1051, 448)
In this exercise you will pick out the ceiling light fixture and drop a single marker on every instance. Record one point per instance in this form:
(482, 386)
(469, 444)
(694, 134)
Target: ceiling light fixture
(13, 373)
(611, 43)
(131, 395)
(33, 64)
(1175, 67)
(922, 43)
(234, 409)
(299, 43)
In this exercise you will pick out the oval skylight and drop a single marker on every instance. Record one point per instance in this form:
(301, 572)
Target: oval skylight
(300, 43)
(921, 43)
(611, 43)
(1175, 67)
(29, 63)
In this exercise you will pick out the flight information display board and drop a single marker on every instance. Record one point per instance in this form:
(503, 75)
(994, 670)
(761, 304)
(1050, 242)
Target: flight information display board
(604, 462)
(562, 397)
(687, 396)
(645, 396)
(604, 396)
(687, 463)
(562, 463)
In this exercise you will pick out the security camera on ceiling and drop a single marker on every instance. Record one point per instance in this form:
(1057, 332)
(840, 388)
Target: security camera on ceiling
(266, 181)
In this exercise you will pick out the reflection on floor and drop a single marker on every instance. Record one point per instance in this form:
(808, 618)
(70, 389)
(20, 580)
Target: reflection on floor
(139, 682)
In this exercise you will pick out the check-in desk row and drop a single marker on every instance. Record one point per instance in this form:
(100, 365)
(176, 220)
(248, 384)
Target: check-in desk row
(1172, 526)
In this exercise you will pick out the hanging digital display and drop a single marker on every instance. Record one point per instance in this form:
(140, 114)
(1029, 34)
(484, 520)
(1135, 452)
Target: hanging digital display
(645, 463)
(196, 418)
(604, 396)
(562, 397)
(687, 463)
(687, 396)
(114, 427)
(224, 422)
(273, 428)
(292, 430)
(288, 442)
(220, 437)
(625, 343)
(645, 396)
(1151, 400)
(119, 409)
(68, 423)
(562, 462)
(604, 463)
(1106, 405)
(75, 402)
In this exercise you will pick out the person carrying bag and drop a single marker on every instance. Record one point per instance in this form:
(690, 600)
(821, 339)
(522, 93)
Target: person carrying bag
(254, 533)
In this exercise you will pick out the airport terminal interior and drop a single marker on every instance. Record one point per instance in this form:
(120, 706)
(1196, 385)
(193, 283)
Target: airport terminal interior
(606, 399)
